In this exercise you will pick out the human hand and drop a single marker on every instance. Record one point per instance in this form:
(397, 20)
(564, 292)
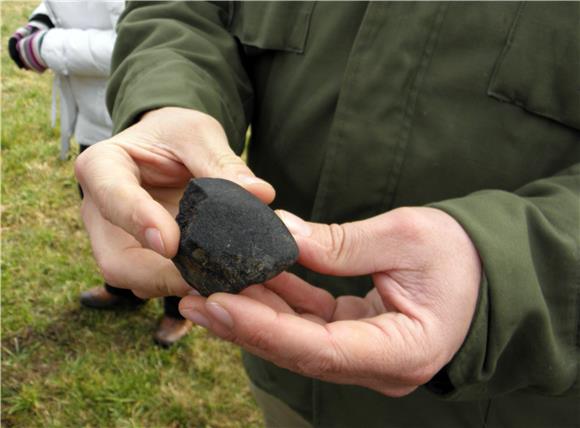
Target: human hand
(132, 185)
(426, 274)
(24, 46)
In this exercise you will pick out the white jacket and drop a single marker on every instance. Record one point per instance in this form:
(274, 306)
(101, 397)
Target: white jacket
(79, 51)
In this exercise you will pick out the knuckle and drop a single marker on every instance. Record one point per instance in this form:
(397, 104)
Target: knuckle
(260, 340)
(199, 127)
(103, 198)
(322, 364)
(227, 162)
(84, 161)
(80, 166)
(127, 215)
(108, 270)
(411, 225)
(338, 248)
(138, 207)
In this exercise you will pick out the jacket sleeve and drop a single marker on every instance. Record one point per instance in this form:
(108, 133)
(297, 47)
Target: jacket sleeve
(526, 328)
(179, 54)
(78, 52)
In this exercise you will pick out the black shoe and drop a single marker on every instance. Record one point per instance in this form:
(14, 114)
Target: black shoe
(100, 298)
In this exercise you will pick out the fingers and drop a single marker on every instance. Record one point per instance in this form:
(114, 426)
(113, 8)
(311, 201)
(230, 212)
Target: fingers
(199, 141)
(111, 182)
(278, 336)
(151, 275)
(303, 297)
(125, 264)
(159, 153)
(307, 300)
(371, 353)
(221, 162)
(165, 149)
(348, 249)
(353, 308)
(262, 294)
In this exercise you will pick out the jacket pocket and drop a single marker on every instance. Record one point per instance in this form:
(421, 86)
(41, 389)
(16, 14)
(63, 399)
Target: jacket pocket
(271, 25)
(539, 68)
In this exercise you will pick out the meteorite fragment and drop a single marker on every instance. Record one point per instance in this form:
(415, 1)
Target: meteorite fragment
(229, 238)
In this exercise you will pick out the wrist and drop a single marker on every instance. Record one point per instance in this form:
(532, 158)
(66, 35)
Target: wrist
(176, 114)
(178, 125)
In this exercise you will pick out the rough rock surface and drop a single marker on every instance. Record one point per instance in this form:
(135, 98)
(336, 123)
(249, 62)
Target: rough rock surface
(229, 238)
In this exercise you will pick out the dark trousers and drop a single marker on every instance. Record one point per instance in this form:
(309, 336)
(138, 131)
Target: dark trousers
(170, 303)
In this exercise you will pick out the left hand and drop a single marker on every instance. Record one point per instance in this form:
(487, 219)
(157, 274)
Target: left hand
(426, 274)
(132, 185)
(24, 46)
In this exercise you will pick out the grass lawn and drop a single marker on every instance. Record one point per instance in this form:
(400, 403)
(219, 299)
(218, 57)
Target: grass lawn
(67, 366)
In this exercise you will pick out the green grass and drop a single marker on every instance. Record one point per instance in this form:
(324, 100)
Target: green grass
(63, 365)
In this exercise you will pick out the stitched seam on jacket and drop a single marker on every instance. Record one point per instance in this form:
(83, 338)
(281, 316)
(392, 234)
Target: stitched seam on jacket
(507, 48)
(495, 90)
(336, 135)
(409, 110)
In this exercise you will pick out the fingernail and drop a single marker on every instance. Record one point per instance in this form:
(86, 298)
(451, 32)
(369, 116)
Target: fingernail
(196, 317)
(218, 312)
(250, 179)
(295, 224)
(154, 240)
(193, 292)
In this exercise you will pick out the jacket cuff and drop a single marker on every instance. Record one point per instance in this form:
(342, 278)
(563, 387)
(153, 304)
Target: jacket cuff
(525, 324)
(43, 19)
(169, 82)
(462, 377)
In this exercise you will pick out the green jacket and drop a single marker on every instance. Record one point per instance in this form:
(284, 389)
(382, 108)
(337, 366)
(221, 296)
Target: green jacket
(358, 108)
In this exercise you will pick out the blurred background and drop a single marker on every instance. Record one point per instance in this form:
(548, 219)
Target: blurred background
(63, 365)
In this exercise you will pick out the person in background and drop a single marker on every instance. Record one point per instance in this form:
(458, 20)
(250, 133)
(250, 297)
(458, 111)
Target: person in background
(75, 40)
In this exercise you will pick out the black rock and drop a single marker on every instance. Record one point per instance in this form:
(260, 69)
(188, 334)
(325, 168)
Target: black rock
(229, 238)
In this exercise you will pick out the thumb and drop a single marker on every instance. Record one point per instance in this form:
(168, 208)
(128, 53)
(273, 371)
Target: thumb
(201, 144)
(347, 249)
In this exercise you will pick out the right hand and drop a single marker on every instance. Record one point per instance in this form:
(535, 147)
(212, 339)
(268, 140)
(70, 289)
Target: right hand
(132, 185)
